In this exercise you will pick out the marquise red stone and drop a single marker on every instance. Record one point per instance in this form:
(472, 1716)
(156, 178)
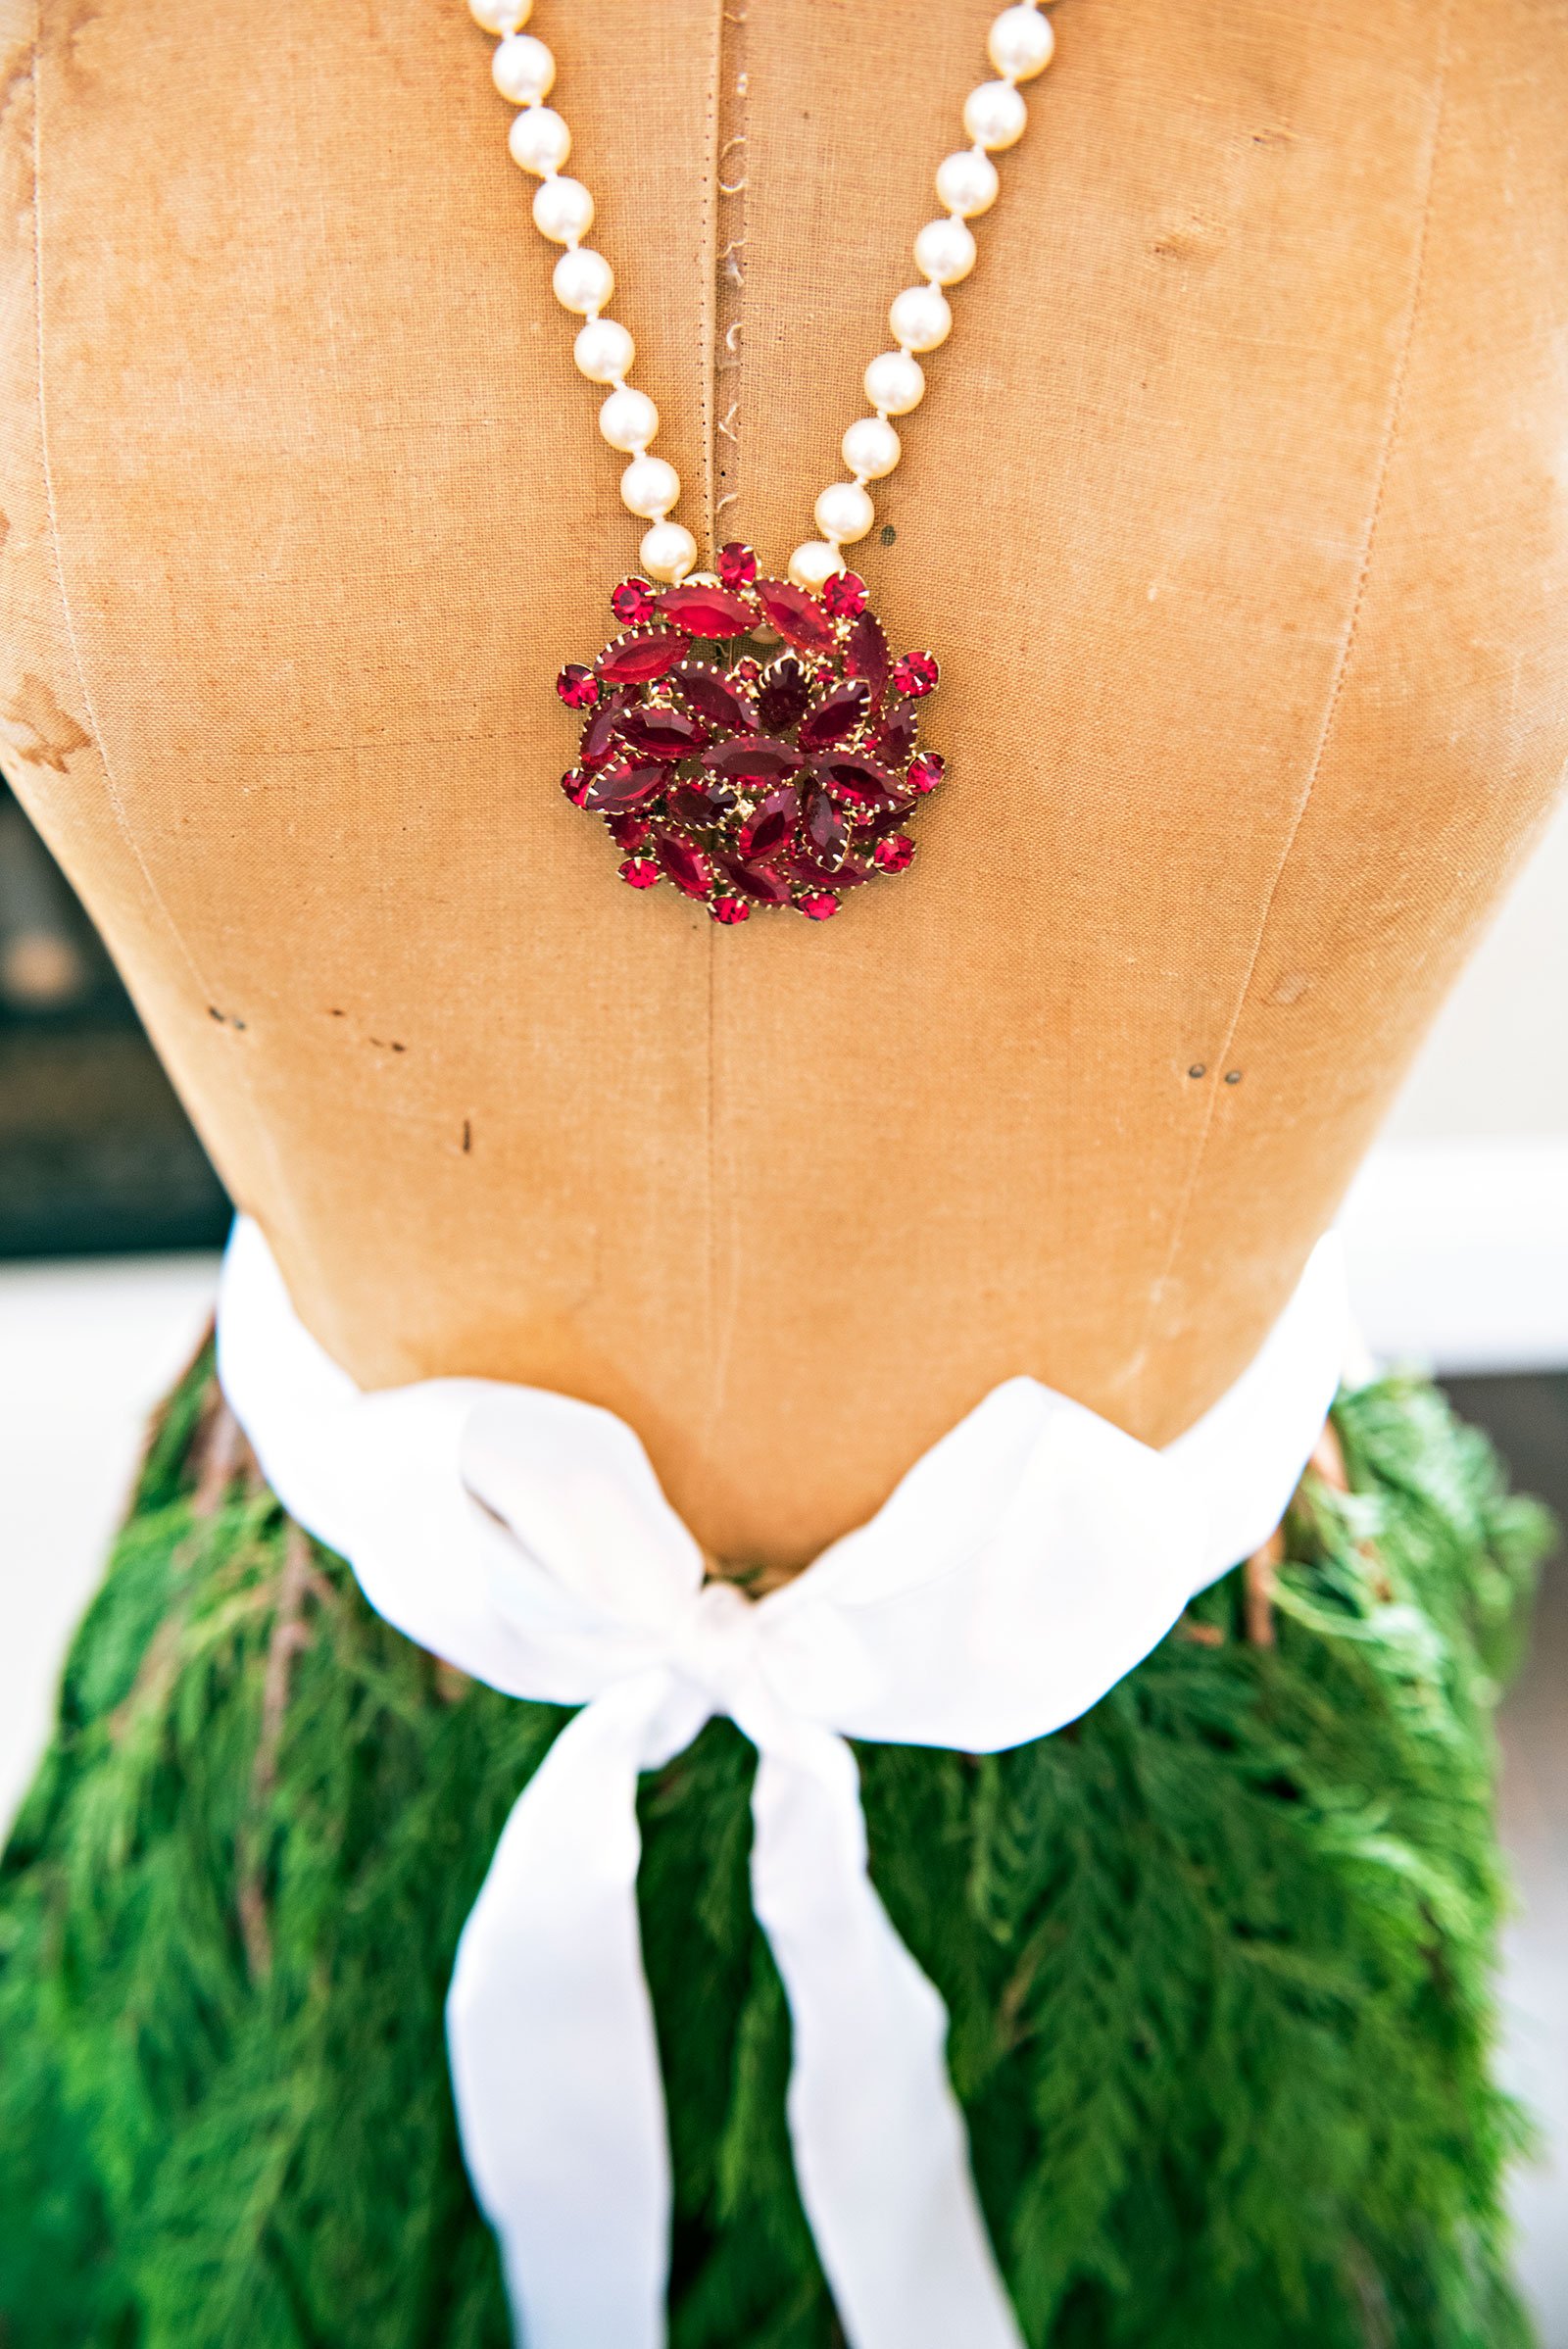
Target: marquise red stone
(817, 904)
(616, 788)
(927, 772)
(833, 718)
(799, 617)
(685, 864)
(858, 781)
(754, 758)
(844, 595)
(599, 734)
(707, 611)
(893, 854)
(641, 873)
(783, 694)
(690, 804)
(737, 565)
(632, 602)
(578, 686)
(756, 881)
(915, 674)
(662, 733)
(634, 660)
(826, 829)
(819, 876)
(769, 829)
(897, 739)
(730, 910)
(866, 654)
(714, 697)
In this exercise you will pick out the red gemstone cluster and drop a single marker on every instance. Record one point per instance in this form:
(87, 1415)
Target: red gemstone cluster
(750, 742)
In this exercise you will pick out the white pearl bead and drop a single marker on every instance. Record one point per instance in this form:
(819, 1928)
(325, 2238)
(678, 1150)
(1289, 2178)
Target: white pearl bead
(604, 350)
(812, 564)
(944, 250)
(650, 487)
(539, 140)
(967, 182)
(994, 115)
(562, 210)
(501, 16)
(920, 317)
(871, 447)
(894, 382)
(1020, 43)
(843, 511)
(628, 418)
(523, 69)
(583, 279)
(667, 551)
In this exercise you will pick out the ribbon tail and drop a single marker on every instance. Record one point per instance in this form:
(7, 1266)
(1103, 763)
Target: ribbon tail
(549, 2030)
(881, 2153)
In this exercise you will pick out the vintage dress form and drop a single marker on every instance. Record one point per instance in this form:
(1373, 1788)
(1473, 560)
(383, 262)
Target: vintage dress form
(1235, 510)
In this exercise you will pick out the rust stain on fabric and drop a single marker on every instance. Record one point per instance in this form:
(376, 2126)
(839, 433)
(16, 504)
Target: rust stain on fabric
(49, 733)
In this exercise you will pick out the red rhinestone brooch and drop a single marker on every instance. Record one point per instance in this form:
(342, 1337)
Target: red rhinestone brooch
(750, 742)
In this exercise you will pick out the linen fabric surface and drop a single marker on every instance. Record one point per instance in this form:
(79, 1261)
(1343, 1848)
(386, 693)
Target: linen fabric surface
(1022, 1566)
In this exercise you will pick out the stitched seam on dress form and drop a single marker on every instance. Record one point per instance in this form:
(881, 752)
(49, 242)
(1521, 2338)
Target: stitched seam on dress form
(1391, 435)
(89, 710)
(715, 67)
(727, 284)
(732, 175)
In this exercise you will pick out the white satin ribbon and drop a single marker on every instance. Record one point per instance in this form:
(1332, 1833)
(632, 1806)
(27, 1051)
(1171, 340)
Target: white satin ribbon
(1020, 1569)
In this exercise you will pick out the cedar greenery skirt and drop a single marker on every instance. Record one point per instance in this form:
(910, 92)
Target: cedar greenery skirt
(1218, 1959)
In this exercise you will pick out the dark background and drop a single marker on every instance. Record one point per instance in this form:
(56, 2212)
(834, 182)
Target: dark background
(96, 1155)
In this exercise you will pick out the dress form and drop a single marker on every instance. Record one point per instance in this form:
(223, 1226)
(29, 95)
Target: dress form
(1233, 511)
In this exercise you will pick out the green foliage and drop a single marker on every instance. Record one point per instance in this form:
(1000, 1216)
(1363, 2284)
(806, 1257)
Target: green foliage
(1218, 1958)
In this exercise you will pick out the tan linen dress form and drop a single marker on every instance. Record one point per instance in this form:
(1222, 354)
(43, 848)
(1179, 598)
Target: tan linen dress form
(1235, 513)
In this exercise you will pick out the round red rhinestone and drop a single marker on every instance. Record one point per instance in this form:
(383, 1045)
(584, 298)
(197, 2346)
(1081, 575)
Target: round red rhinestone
(576, 786)
(640, 871)
(730, 909)
(844, 595)
(817, 904)
(633, 603)
(893, 854)
(915, 673)
(628, 831)
(746, 672)
(578, 686)
(737, 565)
(926, 771)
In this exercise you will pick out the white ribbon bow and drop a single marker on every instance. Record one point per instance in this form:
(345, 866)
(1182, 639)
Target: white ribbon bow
(1020, 1569)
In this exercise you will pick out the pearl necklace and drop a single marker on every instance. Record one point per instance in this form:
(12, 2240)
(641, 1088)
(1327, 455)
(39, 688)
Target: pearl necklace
(746, 776)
